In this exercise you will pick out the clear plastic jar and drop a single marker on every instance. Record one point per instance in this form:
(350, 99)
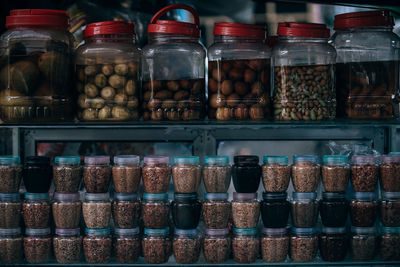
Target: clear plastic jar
(67, 245)
(37, 245)
(364, 173)
(390, 173)
(186, 211)
(304, 209)
(363, 209)
(364, 241)
(173, 69)
(304, 76)
(10, 174)
(37, 174)
(107, 70)
(239, 73)
(216, 210)
(126, 245)
(333, 243)
(155, 210)
(305, 173)
(67, 174)
(216, 174)
(11, 249)
(276, 173)
(246, 173)
(97, 245)
(97, 174)
(275, 210)
(217, 245)
(126, 210)
(390, 209)
(274, 244)
(96, 210)
(303, 244)
(156, 245)
(67, 210)
(37, 77)
(367, 65)
(335, 172)
(245, 245)
(36, 210)
(126, 173)
(333, 209)
(390, 243)
(186, 174)
(156, 174)
(245, 210)
(10, 210)
(186, 246)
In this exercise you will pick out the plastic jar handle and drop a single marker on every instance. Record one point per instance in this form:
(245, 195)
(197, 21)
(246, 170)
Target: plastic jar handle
(166, 9)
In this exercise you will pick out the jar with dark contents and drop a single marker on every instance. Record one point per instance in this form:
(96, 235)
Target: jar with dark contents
(275, 173)
(126, 210)
(37, 174)
(126, 173)
(333, 243)
(186, 174)
(67, 245)
(67, 210)
(37, 245)
(97, 174)
(390, 243)
(275, 210)
(126, 245)
(217, 245)
(96, 210)
(11, 249)
(274, 244)
(390, 209)
(186, 211)
(156, 174)
(304, 209)
(10, 174)
(246, 173)
(335, 172)
(305, 173)
(364, 243)
(363, 209)
(303, 244)
(97, 245)
(245, 210)
(216, 210)
(67, 174)
(245, 245)
(155, 210)
(390, 173)
(10, 210)
(364, 173)
(36, 210)
(156, 245)
(186, 246)
(333, 209)
(216, 174)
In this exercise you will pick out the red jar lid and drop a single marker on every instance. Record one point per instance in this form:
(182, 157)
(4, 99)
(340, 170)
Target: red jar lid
(38, 17)
(311, 30)
(363, 19)
(240, 30)
(109, 27)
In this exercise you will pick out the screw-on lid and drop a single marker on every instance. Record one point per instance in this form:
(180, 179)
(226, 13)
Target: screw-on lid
(97, 160)
(156, 160)
(305, 158)
(37, 196)
(67, 160)
(10, 160)
(185, 196)
(31, 231)
(334, 195)
(154, 196)
(365, 196)
(97, 231)
(37, 160)
(334, 230)
(215, 160)
(245, 231)
(10, 197)
(67, 196)
(246, 159)
(307, 30)
(186, 160)
(279, 196)
(274, 231)
(97, 196)
(363, 19)
(394, 153)
(186, 232)
(109, 27)
(281, 160)
(244, 196)
(216, 232)
(390, 195)
(304, 231)
(240, 30)
(38, 17)
(335, 159)
(11, 231)
(127, 160)
(364, 159)
(390, 230)
(390, 159)
(363, 230)
(128, 231)
(125, 196)
(68, 232)
(163, 231)
(216, 196)
(304, 195)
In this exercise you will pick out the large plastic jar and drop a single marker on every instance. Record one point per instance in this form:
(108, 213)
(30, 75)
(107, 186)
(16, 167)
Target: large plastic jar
(334, 209)
(333, 243)
(156, 174)
(217, 245)
(239, 73)
(274, 244)
(36, 210)
(37, 174)
(367, 66)
(37, 67)
(364, 173)
(107, 70)
(67, 245)
(97, 245)
(156, 245)
(67, 210)
(245, 245)
(126, 245)
(275, 210)
(155, 210)
(245, 210)
(67, 174)
(363, 209)
(276, 174)
(173, 69)
(97, 174)
(390, 243)
(11, 249)
(246, 173)
(126, 173)
(335, 172)
(390, 209)
(303, 244)
(10, 174)
(96, 210)
(364, 243)
(304, 209)
(126, 210)
(186, 246)
(390, 173)
(37, 245)
(186, 211)
(186, 174)
(216, 174)
(216, 210)
(305, 173)
(10, 210)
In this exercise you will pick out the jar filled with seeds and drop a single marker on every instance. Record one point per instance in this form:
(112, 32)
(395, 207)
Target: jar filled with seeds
(275, 210)
(107, 72)
(126, 173)
(333, 209)
(173, 69)
(390, 209)
(10, 210)
(216, 174)
(37, 174)
(274, 244)
(216, 210)
(333, 243)
(245, 210)
(186, 174)
(36, 210)
(67, 210)
(155, 210)
(37, 245)
(304, 209)
(335, 173)
(246, 174)
(186, 211)
(363, 209)
(11, 249)
(390, 243)
(217, 245)
(126, 210)
(364, 173)
(276, 173)
(305, 173)
(156, 174)
(390, 173)
(97, 245)
(126, 245)
(67, 174)
(245, 245)
(97, 174)
(96, 210)
(10, 174)
(186, 246)
(303, 244)
(156, 245)
(67, 245)
(239, 73)
(363, 242)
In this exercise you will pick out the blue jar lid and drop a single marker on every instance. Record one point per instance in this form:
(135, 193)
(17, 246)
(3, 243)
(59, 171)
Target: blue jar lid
(215, 160)
(334, 195)
(10, 160)
(154, 196)
(334, 230)
(281, 160)
(33, 196)
(304, 195)
(269, 196)
(186, 232)
(68, 232)
(390, 230)
(187, 160)
(304, 231)
(125, 196)
(31, 231)
(127, 160)
(216, 232)
(126, 231)
(364, 196)
(97, 231)
(335, 159)
(10, 196)
(67, 160)
(11, 231)
(245, 231)
(394, 153)
(305, 158)
(275, 231)
(185, 196)
(363, 230)
(216, 196)
(163, 231)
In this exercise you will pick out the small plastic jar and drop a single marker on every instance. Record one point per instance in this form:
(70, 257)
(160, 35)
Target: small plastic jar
(390, 173)
(36, 210)
(156, 174)
(155, 210)
(304, 209)
(10, 174)
(97, 174)
(216, 210)
(126, 245)
(333, 243)
(126, 210)
(186, 211)
(156, 245)
(274, 244)
(37, 174)
(126, 173)
(245, 245)
(364, 241)
(390, 243)
(37, 245)
(275, 210)
(245, 210)
(364, 173)
(186, 246)
(335, 173)
(303, 244)
(67, 245)
(67, 174)
(390, 209)
(96, 210)
(216, 174)
(276, 174)
(11, 249)
(305, 173)
(246, 173)
(217, 245)
(10, 210)
(186, 174)
(97, 245)
(66, 210)
(333, 209)
(363, 209)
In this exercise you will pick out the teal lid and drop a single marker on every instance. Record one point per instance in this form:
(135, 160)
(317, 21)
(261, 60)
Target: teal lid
(10, 160)
(186, 160)
(281, 160)
(186, 232)
(33, 196)
(96, 231)
(154, 196)
(10, 197)
(216, 196)
(245, 231)
(305, 158)
(72, 160)
(214, 160)
(184, 196)
(126, 231)
(163, 231)
(394, 153)
(335, 159)
(390, 230)
(304, 231)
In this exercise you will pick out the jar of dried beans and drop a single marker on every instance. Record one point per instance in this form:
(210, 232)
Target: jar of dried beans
(245, 245)
(275, 210)
(390, 173)
(363, 242)
(333, 209)
(97, 174)
(276, 174)
(67, 245)
(10, 210)
(246, 173)
(216, 210)
(216, 174)
(245, 210)
(67, 210)
(96, 210)
(363, 209)
(274, 244)
(335, 173)
(126, 173)
(10, 174)
(305, 173)
(126, 210)
(390, 209)
(303, 244)
(217, 245)
(11, 249)
(37, 174)
(186, 174)
(67, 174)
(126, 245)
(156, 245)
(155, 210)
(186, 211)
(36, 210)
(364, 173)
(97, 245)
(333, 243)
(156, 174)
(304, 209)
(390, 243)
(186, 246)
(37, 245)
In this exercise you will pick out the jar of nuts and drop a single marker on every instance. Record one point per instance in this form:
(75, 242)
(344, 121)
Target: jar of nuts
(186, 246)
(363, 242)
(274, 244)
(303, 244)
(10, 246)
(335, 172)
(245, 245)
(186, 174)
(67, 174)
(37, 245)
(216, 210)
(276, 174)
(304, 209)
(97, 245)
(156, 245)
(333, 243)
(66, 210)
(156, 174)
(107, 69)
(67, 245)
(173, 69)
(305, 173)
(10, 210)
(97, 174)
(126, 173)
(245, 210)
(363, 209)
(126, 244)
(390, 173)
(390, 209)
(364, 173)
(126, 210)
(390, 243)
(155, 210)
(216, 174)
(217, 245)
(36, 210)
(10, 174)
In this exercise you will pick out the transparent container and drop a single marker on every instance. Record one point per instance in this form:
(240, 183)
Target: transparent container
(390, 173)
(36, 210)
(186, 174)
(186, 246)
(126, 210)
(239, 73)
(216, 174)
(246, 173)
(303, 244)
(67, 245)
(126, 173)
(10, 210)
(107, 72)
(363, 209)
(37, 245)
(156, 245)
(216, 210)
(390, 243)
(367, 65)
(245, 245)
(126, 245)
(390, 209)
(333, 244)
(66, 209)
(155, 210)
(305, 173)
(186, 211)
(156, 174)
(364, 241)
(173, 69)
(276, 173)
(37, 174)
(97, 245)
(364, 173)
(96, 210)
(274, 244)
(333, 209)
(37, 67)
(97, 174)
(335, 173)
(245, 210)
(67, 174)
(11, 249)
(217, 245)
(275, 210)
(10, 174)
(304, 209)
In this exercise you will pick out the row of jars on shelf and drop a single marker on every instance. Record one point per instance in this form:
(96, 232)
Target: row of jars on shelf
(114, 80)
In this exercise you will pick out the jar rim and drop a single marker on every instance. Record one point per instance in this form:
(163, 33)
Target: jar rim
(10, 196)
(97, 231)
(244, 196)
(97, 160)
(310, 30)
(281, 196)
(245, 231)
(364, 159)
(97, 196)
(216, 196)
(67, 196)
(186, 232)
(109, 27)
(31, 231)
(10, 231)
(333, 230)
(37, 160)
(11, 160)
(363, 230)
(37, 196)
(305, 158)
(156, 159)
(162, 231)
(275, 231)
(240, 30)
(216, 232)
(364, 195)
(304, 231)
(126, 231)
(125, 196)
(127, 160)
(335, 159)
(67, 160)
(390, 159)
(183, 196)
(186, 160)
(390, 230)
(334, 195)
(155, 196)
(67, 232)
(281, 160)
(246, 159)
(304, 195)
(216, 160)
(390, 195)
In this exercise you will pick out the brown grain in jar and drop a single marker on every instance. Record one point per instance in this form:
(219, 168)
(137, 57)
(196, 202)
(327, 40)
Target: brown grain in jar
(335, 173)
(67, 245)
(37, 245)
(276, 173)
(156, 174)
(126, 173)
(97, 245)
(305, 173)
